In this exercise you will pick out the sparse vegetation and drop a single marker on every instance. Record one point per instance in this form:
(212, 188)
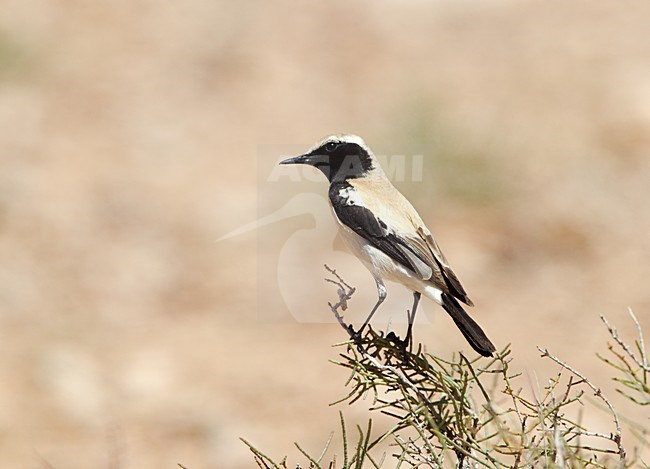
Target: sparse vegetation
(477, 413)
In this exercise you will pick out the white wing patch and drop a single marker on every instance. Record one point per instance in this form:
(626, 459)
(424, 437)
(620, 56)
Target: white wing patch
(351, 196)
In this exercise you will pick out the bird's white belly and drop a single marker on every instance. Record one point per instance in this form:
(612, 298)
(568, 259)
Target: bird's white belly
(383, 267)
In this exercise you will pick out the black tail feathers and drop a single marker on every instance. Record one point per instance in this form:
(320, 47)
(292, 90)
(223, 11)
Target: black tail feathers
(472, 331)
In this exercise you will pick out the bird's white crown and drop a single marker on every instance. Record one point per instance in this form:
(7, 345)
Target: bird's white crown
(343, 138)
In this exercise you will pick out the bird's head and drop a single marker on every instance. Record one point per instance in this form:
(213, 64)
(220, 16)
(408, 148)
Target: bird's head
(339, 157)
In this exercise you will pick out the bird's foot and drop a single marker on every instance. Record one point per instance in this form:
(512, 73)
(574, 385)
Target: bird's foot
(404, 344)
(408, 343)
(394, 338)
(356, 338)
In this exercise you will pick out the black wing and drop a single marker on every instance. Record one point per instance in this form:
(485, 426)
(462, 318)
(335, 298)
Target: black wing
(420, 253)
(363, 222)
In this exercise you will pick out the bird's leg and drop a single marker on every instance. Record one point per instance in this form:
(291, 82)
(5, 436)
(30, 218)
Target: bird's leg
(381, 292)
(416, 300)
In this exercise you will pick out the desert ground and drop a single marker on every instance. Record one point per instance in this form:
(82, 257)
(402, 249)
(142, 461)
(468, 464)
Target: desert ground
(137, 331)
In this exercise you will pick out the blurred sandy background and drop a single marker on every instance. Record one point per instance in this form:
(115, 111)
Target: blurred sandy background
(129, 143)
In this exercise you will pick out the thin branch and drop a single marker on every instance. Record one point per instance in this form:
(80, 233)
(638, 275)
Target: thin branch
(644, 356)
(598, 393)
(614, 333)
(345, 293)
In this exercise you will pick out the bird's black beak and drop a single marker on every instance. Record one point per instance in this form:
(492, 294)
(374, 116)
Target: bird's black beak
(302, 159)
(308, 158)
(320, 162)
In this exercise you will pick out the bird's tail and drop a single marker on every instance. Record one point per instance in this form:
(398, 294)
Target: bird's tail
(472, 331)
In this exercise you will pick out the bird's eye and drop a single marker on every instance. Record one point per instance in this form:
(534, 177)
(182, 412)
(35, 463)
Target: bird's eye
(331, 146)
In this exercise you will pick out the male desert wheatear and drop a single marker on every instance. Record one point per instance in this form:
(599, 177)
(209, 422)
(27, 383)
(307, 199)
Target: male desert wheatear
(386, 233)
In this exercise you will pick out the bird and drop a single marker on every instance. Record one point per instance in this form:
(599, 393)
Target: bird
(382, 228)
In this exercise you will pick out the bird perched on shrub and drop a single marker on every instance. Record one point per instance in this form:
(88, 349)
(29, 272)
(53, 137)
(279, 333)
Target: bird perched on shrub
(386, 233)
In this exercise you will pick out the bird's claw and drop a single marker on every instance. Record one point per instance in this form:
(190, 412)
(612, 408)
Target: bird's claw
(394, 338)
(356, 337)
